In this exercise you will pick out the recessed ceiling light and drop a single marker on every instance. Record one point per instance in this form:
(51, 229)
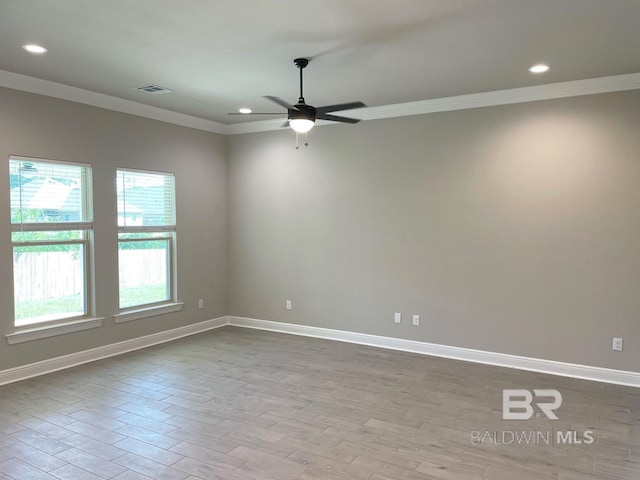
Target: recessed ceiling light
(33, 48)
(539, 68)
(244, 110)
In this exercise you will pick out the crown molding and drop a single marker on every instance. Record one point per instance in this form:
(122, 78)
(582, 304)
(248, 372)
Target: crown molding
(25, 83)
(573, 88)
(269, 125)
(533, 93)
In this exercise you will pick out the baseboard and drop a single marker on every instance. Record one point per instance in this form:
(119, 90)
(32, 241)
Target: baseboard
(67, 361)
(585, 372)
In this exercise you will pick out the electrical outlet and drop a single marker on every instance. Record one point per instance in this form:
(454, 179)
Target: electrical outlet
(416, 320)
(397, 318)
(288, 304)
(201, 303)
(617, 344)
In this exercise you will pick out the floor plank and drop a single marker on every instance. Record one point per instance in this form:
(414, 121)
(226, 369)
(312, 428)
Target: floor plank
(239, 404)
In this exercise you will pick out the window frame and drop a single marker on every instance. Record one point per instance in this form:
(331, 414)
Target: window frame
(86, 240)
(166, 232)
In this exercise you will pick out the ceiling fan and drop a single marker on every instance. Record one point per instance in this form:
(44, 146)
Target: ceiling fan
(301, 117)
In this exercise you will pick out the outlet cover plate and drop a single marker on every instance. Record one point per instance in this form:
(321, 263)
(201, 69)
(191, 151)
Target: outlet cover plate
(617, 344)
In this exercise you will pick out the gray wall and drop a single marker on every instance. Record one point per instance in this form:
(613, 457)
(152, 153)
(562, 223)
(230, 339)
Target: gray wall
(38, 126)
(512, 229)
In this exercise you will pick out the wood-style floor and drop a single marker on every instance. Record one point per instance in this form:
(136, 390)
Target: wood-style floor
(237, 404)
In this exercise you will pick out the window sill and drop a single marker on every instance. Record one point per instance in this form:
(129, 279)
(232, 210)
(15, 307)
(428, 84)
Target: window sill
(147, 312)
(36, 333)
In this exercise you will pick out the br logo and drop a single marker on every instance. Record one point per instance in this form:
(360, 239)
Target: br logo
(517, 404)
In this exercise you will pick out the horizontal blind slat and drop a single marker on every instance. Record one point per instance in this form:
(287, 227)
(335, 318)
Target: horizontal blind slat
(145, 199)
(49, 195)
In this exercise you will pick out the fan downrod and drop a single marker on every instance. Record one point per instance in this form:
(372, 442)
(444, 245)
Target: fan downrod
(301, 63)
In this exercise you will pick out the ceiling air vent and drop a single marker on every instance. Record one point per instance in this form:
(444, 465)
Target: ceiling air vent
(154, 89)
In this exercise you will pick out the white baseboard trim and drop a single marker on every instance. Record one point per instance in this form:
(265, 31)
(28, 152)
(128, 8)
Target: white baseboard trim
(67, 361)
(585, 372)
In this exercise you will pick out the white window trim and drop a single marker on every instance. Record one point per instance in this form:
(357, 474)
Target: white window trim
(49, 160)
(51, 227)
(171, 305)
(65, 324)
(140, 170)
(153, 311)
(53, 330)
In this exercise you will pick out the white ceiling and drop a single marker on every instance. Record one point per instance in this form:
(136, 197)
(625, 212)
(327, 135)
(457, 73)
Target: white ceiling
(219, 55)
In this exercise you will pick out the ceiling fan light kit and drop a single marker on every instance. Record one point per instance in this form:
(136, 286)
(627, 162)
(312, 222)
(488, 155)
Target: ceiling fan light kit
(301, 117)
(301, 125)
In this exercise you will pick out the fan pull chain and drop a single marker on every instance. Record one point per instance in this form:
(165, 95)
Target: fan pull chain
(306, 140)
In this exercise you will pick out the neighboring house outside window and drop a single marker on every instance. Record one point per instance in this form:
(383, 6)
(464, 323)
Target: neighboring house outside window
(146, 238)
(51, 233)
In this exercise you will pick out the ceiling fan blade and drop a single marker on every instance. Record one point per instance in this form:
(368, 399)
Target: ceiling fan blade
(336, 118)
(340, 106)
(281, 102)
(256, 113)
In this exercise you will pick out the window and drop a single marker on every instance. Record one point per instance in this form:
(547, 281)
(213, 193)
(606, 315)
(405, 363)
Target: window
(51, 228)
(146, 238)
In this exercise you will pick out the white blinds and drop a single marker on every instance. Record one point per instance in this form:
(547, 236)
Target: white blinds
(146, 200)
(49, 193)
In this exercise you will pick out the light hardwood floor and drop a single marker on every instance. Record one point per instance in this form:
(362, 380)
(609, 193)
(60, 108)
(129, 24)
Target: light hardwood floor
(238, 404)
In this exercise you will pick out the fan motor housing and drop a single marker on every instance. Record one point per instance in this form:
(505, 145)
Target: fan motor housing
(304, 111)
